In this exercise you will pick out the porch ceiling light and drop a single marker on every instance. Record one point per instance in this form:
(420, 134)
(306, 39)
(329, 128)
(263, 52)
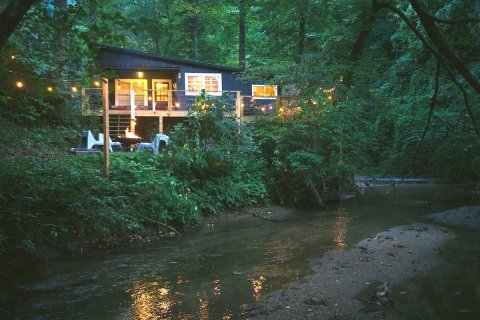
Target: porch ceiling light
(140, 74)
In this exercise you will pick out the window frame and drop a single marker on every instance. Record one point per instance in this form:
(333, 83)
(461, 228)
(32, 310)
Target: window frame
(203, 75)
(265, 97)
(130, 81)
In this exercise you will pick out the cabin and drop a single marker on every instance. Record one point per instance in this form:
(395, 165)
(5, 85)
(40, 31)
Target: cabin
(151, 93)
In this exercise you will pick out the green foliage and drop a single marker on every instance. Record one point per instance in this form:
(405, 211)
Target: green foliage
(53, 200)
(313, 142)
(216, 155)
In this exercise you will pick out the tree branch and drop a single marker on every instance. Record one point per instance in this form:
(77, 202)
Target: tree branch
(445, 124)
(441, 58)
(430, 113)
(11, 17)
(442, 45)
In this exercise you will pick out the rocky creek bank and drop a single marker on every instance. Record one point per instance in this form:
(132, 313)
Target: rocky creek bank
(356, 283)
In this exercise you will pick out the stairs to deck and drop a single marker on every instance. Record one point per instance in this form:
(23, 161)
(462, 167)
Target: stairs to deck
(118, 124)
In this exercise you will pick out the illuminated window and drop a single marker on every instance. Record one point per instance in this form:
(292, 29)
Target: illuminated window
(122, 92)
(264, 91)
(196, 82)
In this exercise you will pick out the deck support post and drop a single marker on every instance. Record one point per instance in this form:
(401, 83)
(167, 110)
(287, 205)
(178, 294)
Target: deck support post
(106, 127)
(238, 106)
(160, 124)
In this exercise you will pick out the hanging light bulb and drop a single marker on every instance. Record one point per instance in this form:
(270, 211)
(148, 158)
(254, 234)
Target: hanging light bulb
(97, 83)
(74, 89)
(13, 57)
(19, 84)
(50, 89)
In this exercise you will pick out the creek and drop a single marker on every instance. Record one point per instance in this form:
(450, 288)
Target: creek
(215, 273)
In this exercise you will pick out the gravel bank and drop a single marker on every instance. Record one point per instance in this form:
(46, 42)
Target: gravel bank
(354, 284)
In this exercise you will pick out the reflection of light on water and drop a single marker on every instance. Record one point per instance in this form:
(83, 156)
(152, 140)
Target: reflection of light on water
(340, 227)
(227, 315)
(257, 286)
(217, 288)
(151, 302)
(203, 309)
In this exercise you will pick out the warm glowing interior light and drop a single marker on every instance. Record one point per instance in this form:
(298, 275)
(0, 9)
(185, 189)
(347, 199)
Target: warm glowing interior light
(97, 83)
(74, 89)
(177, 104)
(140, 74)
(149, 98)
(50, 89)
(19, 84)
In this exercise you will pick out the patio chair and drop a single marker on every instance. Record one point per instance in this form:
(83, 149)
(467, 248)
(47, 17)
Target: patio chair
(90, 139)
(155, 144)
(112, 143)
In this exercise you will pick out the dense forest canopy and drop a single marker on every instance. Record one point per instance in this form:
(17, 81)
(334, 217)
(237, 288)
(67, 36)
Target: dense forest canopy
(378, 86)
(411, 65)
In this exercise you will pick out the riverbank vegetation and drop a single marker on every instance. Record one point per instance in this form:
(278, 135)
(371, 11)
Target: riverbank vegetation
(368, 93)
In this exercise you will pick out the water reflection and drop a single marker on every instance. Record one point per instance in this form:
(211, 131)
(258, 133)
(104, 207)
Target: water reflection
(217, 288)
(257, 287)
(340, 227)
(151, 301)
(204, 310)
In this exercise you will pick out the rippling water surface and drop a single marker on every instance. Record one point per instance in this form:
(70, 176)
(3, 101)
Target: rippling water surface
(214, 273)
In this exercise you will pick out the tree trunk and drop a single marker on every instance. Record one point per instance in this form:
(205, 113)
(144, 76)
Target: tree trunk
(93, 21)
(358, 46)
(316, 194)
(60, 38)
(195, 38)
(11, 17)
(242, 27)
(301, 31)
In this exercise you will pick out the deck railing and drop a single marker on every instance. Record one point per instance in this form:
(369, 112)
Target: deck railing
(172, 101)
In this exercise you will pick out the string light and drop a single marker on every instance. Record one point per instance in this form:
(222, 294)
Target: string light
(74, 89)
(50, 89)
(13, 57)
(19, 84)
(97, 83)
(330, 97)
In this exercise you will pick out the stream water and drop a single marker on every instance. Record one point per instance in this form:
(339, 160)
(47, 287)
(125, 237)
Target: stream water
(212, 274)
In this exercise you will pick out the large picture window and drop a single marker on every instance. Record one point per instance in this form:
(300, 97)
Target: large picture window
(122, 92)
(262, 91)
(210, 82)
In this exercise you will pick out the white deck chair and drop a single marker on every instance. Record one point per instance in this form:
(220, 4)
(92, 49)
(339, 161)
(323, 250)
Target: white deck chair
(155, 144)
(91, 141)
